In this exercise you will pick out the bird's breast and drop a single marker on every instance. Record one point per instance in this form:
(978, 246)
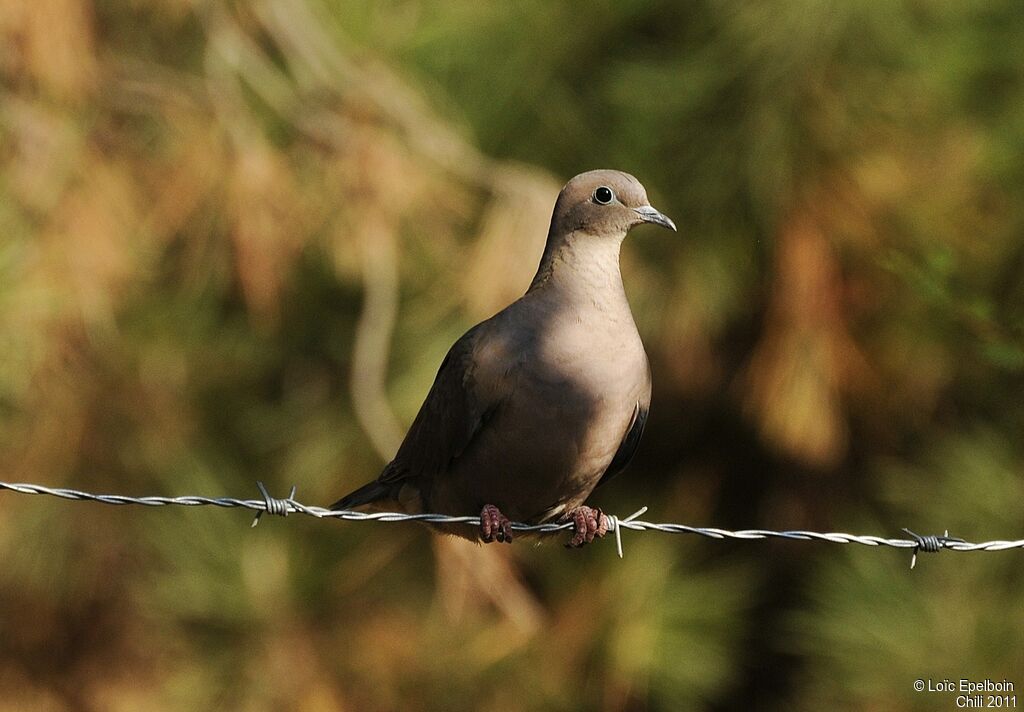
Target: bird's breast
(570, 386)
(593, 348)
(572, 407)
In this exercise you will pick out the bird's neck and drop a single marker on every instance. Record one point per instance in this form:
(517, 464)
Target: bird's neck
(584, 266)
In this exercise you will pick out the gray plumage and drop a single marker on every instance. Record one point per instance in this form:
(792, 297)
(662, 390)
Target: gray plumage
(534, 407)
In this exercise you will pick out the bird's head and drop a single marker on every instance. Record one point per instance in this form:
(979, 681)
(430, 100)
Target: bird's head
(604, 202)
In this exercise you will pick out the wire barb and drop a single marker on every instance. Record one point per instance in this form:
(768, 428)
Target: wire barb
(283, 507)
(277, 507)
(930, 543)
(615, 525)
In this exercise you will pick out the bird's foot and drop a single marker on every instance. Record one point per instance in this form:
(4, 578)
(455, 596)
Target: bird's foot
(589, 523)
(494, 525)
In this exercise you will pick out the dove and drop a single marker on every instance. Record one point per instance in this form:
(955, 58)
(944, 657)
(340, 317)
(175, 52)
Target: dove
(535, 407)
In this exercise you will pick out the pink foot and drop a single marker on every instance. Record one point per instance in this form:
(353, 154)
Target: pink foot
(589, 523)
(494, 525)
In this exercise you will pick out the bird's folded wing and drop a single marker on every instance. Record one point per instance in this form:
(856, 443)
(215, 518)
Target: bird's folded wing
(455, 410)
(628, 446)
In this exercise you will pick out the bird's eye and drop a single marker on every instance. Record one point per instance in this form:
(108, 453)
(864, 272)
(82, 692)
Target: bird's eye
(603, 195)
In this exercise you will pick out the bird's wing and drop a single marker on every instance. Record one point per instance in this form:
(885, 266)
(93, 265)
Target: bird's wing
(627, 448)
(459, 404)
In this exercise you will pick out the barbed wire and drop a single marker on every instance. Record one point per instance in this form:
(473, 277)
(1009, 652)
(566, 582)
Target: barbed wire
(288, 505)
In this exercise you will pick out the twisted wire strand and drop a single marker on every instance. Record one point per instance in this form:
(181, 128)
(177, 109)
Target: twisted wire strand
(288, 505)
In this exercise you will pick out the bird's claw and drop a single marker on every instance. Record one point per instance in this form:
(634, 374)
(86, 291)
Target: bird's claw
(494, 526)
(589, 523)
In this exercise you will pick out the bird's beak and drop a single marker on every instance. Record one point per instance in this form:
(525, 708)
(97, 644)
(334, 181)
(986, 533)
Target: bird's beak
(649, 214)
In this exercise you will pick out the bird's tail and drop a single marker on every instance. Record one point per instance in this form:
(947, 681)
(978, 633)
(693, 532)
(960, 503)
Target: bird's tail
(367, 494)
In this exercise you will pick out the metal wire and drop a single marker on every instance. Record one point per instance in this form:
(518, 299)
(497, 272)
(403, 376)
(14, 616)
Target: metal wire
(287, 505)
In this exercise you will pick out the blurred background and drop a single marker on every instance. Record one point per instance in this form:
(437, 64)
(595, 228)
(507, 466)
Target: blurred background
(237, 239)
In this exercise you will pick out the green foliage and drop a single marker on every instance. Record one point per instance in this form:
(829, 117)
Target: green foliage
(871, 632)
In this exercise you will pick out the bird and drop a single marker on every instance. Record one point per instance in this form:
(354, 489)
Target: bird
(535, 407)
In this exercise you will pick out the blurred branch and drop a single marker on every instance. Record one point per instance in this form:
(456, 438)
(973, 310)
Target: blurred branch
(464, 568)
(373, 337)
(319, 64)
